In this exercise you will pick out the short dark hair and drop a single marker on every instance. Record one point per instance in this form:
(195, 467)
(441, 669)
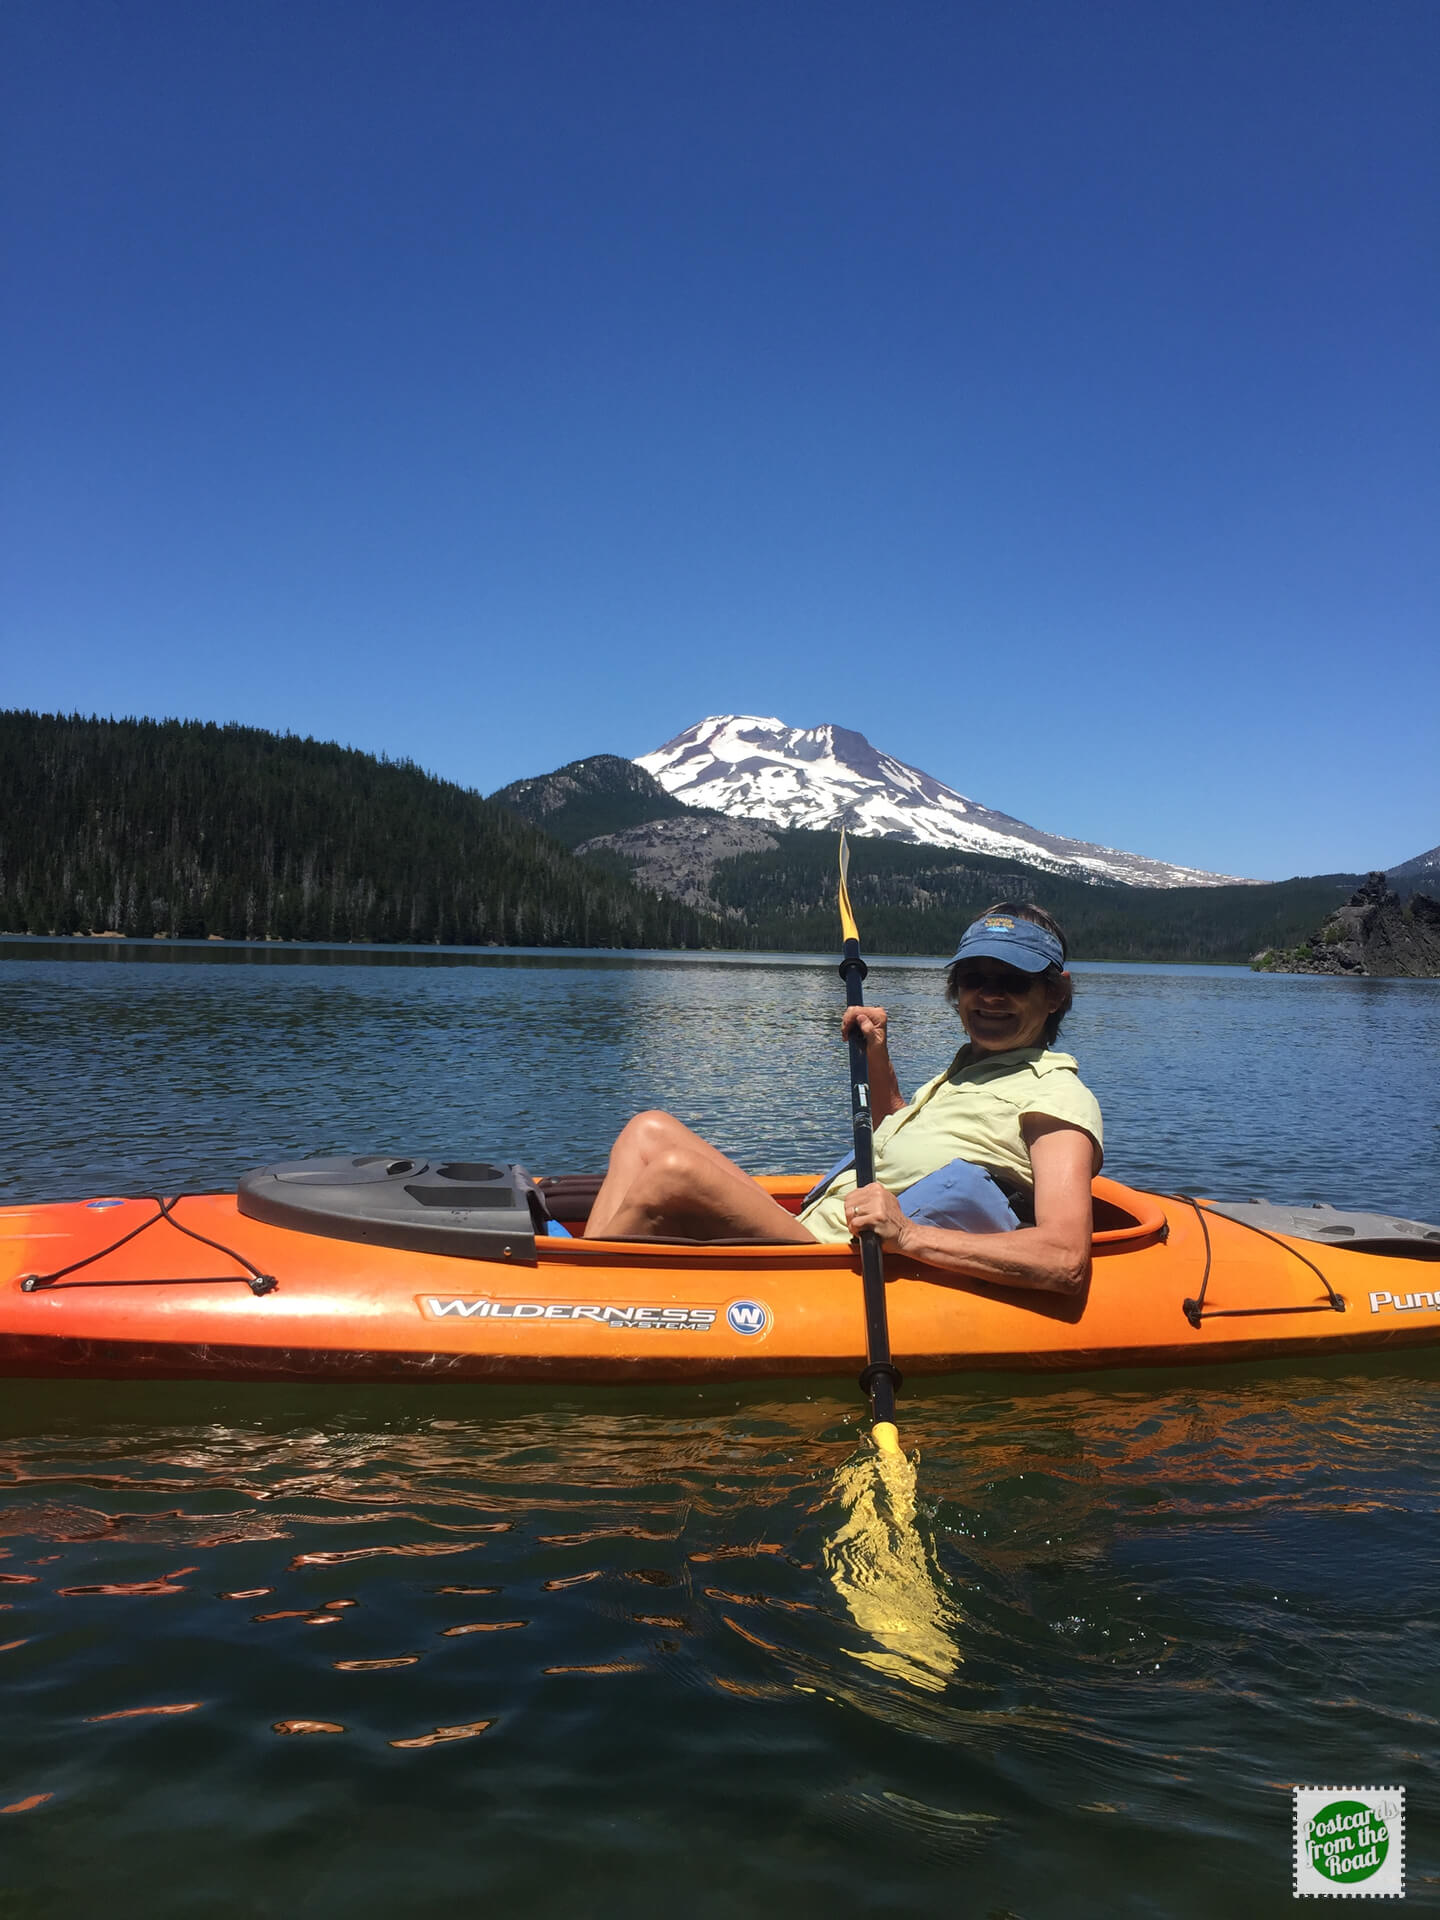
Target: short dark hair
(1025, 910)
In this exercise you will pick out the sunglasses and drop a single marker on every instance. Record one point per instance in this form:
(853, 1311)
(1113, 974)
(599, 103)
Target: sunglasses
(1014, 984)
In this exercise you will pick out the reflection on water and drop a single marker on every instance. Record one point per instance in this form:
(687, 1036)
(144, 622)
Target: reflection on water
(176, 1068)
(272, 1651)
(544, 1642)
(877, 1564)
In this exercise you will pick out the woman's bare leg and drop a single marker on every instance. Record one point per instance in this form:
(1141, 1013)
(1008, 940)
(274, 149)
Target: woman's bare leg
(664, 1178)
(639, 1142)
(689, 1195)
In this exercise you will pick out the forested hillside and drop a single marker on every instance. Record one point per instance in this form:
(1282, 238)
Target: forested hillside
(178, 827)
(912, 899)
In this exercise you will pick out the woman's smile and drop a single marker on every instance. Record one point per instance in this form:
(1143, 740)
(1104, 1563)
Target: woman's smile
(1002, 1009)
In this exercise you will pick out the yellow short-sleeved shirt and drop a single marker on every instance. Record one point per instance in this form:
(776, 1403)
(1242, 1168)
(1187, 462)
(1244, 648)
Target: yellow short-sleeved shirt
(972, 1112)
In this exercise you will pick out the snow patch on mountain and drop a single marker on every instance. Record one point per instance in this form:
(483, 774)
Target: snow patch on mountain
(1425, 866)
(822, 777)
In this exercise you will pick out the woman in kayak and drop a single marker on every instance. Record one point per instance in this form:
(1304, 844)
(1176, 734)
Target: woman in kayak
(1007, 1116)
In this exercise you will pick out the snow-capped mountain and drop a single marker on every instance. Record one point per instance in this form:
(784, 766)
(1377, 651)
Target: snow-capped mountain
(819, 777)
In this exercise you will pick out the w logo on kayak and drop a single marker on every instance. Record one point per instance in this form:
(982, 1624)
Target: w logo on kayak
(747, 1316)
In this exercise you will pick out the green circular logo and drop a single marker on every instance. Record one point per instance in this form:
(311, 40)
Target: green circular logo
(1347, 1841)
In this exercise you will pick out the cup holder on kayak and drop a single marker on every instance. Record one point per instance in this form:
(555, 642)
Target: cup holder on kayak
(463, 1196)
(360, 1170)
(471, 1170)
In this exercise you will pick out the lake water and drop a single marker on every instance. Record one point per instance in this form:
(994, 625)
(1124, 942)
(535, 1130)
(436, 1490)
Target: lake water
(584, 1658)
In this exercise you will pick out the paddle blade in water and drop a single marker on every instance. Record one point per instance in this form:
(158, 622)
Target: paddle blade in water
(877, 1565)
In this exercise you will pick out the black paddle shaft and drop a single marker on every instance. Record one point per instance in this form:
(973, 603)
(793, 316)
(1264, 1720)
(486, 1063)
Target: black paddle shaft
(881, 1380)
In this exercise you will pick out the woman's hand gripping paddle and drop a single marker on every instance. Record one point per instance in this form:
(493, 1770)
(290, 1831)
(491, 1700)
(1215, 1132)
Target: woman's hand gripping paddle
(880, 1381)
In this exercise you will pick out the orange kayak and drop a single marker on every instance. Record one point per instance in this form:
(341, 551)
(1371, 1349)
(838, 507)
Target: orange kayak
(255, 1287)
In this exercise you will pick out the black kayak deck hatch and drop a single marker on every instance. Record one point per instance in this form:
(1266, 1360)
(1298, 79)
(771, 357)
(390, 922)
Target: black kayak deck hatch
(473, 1209)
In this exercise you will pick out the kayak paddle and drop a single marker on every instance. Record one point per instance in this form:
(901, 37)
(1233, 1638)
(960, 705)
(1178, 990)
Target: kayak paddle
(877, 1562)
(880, 1380)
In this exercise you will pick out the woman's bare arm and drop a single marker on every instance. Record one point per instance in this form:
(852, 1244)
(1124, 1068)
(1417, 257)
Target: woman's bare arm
(1052, 1256)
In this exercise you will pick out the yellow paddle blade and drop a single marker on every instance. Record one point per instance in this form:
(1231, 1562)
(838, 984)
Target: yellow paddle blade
(848, 928)
(877, 1565)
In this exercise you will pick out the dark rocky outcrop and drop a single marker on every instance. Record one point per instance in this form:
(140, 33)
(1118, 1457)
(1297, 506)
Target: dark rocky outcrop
(1373, 934)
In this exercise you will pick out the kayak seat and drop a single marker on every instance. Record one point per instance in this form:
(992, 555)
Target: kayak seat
(569, 1197)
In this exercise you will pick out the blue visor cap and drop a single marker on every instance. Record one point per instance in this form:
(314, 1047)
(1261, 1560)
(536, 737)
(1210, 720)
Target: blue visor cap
(1019, 943)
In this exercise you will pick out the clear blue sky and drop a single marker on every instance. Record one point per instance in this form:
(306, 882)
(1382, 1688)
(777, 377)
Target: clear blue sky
(1047, 389)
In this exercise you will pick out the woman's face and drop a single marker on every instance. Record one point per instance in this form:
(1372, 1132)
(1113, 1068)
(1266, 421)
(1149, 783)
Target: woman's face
(1001, 1007)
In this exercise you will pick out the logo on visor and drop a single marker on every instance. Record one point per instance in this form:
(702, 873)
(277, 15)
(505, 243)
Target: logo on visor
(1001, 922)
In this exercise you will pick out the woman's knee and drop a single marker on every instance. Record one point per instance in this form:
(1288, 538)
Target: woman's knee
(673, 1172)
(652, 1132)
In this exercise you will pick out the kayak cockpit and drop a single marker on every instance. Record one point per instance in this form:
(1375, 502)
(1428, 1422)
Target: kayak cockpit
(491, 1210)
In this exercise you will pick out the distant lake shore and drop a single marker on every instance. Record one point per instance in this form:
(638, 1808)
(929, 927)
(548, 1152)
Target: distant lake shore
(73, 944)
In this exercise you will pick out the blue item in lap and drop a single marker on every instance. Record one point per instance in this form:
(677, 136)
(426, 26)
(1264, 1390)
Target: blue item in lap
(959, 1195)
